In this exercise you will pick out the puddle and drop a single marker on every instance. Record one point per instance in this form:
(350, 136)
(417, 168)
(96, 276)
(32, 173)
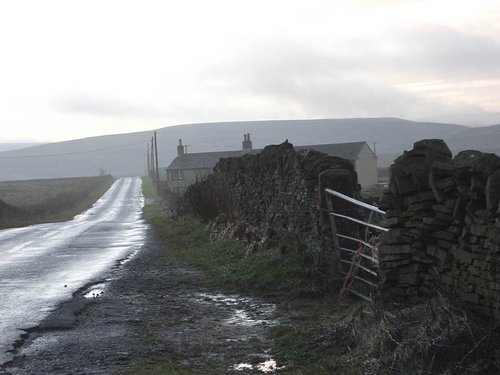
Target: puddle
(95, 291)
(242, 318)
(129, 257)
(252, 316)
(269, 366)
(266, 367)
(244, 311)
(243, 367)
(220, 299)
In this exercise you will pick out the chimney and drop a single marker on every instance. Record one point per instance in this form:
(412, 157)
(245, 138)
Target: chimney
(180, 148)
(247, 143)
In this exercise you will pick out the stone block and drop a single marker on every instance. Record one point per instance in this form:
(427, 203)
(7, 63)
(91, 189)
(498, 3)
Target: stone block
(445, 219)
(464, 190)
(474, 271)
(392, 222)
(396, 249)
(434, 146)
(466, 159)
(410, 278)
(447, 183)
(481, 264)
(463, 256)
(392, 212)
(439, 194)
(456, 230)
(492, 246)
(413, 268)
(492, 191)
(441, 208)
(479, 230)
(394, 265)
(401, 185)
(442, 169)
(341, 180)
(477, 185)
(388, 276)
(418, 226)
(447, 245)
(396, 236)
(420, 207)
(450, 202)
(470, 297)
(444, 235)
(485, 294)
(417, 233)
(434, 221)
(423, 259)
(442, 255)
(418, 245)
(483, 214)
(419, 197)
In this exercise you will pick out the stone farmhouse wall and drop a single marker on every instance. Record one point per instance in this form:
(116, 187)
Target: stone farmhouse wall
(443, 213)
(271, 199)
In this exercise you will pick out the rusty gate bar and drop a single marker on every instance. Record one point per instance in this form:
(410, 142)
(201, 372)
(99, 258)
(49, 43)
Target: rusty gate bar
(368, 250)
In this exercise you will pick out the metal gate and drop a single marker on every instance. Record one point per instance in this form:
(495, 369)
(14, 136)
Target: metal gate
(356, 241)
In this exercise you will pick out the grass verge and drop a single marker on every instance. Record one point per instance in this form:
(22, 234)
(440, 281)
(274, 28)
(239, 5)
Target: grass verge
(224, 262)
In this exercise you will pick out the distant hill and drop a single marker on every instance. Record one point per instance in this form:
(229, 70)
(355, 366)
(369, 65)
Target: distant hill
(125, 154)
(16, 146)
(469, 119)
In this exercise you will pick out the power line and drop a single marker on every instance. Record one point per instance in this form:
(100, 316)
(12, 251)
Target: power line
(72, 153)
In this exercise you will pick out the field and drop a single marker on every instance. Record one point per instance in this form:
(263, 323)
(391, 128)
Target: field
(35, 201)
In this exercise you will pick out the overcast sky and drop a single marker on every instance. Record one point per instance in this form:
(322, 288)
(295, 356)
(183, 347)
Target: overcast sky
(72, 69)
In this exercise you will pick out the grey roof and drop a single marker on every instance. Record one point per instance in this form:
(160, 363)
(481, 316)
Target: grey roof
(207, 160)
(349, 151)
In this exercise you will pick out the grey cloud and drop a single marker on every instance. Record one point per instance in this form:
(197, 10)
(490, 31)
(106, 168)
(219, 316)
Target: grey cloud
(444, 52)
(90, 105)
(315, 83)
(277, 68)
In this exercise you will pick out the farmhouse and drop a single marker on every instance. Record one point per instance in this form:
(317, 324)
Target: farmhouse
(188, 168)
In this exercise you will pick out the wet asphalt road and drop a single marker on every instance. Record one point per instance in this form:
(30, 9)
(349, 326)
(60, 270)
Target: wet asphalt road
(43, 265)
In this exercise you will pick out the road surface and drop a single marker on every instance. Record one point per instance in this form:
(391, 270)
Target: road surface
(43, 265)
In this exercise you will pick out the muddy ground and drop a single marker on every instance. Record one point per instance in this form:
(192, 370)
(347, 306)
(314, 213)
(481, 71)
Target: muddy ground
(150, 314)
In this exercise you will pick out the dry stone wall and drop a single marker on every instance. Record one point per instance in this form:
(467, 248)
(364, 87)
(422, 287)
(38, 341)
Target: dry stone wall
(443, 213)
(271, 199)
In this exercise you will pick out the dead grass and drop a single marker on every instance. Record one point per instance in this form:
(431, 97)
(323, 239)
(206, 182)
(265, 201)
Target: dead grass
(435, 337)
(30, 194)
(35, 201)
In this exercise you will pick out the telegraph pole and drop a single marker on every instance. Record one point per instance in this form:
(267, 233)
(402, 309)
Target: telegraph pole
(148, 161)
(157, 170)
(152, 161)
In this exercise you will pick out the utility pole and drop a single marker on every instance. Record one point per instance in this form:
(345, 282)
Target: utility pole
(148, 161)
(157, 170)
(152, 161)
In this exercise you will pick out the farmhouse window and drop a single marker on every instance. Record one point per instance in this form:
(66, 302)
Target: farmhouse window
(178, 174)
